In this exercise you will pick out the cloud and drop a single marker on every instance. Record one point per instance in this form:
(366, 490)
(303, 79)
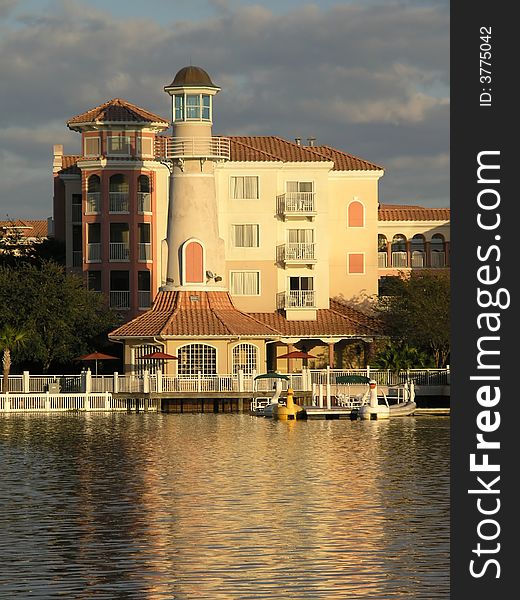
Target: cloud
(372, 80)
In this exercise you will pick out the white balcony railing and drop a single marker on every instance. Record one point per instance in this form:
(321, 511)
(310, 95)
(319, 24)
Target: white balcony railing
(118, 202)
(119, 251)
(299, 252)
(193, 147)
(144, 299)
(418, 259)
(399, 259)
(382, 260)
(94, 252)
(300, 299)
(296, 203)
(144, 202)
(438, 259)
(93, 202)
(145, 252)
(120, 299)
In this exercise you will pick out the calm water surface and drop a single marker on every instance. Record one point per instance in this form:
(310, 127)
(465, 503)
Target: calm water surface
(223, 507)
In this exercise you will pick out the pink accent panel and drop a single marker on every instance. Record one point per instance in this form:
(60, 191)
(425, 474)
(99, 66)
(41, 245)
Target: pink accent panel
(193, 257)
(355, 263)
(355, 214)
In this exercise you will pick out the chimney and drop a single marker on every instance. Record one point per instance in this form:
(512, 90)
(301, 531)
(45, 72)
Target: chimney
(298, 141)
(310, 141)
(58, 157)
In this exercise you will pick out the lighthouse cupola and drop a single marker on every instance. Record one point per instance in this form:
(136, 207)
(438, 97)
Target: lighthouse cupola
(192, 94)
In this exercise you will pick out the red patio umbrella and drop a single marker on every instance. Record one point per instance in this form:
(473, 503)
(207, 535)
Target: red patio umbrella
(297, 354)
(97, 356)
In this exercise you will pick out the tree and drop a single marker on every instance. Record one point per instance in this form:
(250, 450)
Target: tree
(397, 356)
(59, 315)
(10, 340)
(418, 313)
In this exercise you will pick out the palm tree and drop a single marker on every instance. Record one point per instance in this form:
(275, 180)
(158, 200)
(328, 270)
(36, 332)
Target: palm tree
(10, 339)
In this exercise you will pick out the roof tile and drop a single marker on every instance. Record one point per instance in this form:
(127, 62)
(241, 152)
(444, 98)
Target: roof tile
(404, 212)
(116, 110)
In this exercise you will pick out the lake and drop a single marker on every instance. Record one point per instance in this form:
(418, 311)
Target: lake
(225, 506)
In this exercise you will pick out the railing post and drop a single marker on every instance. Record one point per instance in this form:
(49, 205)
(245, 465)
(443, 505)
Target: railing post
(7, 404)
(87, 401)
(115, 385)
(158, 376)
(88, 381)
(146, 381)
(320, 397)
(107, 401)
(26, 382)
(199, 382)
(240, 380)
(47, 401)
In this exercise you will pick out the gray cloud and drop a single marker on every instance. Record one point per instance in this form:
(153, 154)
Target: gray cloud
(370, 81)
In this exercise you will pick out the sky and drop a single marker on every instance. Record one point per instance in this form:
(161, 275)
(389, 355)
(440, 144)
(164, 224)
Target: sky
(370, 77)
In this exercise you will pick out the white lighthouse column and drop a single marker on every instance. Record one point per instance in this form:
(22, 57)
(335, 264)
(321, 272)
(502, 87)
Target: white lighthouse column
(195, 248)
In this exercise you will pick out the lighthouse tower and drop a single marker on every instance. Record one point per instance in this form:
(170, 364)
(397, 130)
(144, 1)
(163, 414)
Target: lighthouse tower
(195, 248)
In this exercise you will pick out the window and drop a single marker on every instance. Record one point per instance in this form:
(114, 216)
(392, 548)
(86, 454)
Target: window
(245, 358)
(301, 292)
(245, 283)
(146, 364)
(118, 145)
(244, 188)
(245, 236)
(143, 289)
(300, 236)
(120, 289)
(192, 107)
(300, 186)
(93, 194)
(92, 146)
(356, 263)
(356, 214)
(197, 358)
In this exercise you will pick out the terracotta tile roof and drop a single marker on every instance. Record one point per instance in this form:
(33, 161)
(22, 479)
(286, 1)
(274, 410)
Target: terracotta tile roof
(116, 110)
(404, 212)
(28, 228)
(197, 313)
(177, 314)
(343, 161)
(276, 147)
(338, 321)
(69, 164)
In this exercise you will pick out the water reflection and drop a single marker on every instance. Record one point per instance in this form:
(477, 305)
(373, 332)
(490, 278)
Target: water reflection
(223, 507)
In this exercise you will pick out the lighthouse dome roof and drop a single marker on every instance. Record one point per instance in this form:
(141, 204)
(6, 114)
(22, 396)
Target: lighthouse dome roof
(192, 76)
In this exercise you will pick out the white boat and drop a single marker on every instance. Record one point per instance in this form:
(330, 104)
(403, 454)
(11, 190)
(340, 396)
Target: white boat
(262, 406)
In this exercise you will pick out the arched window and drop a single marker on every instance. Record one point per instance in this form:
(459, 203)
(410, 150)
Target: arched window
(245, 357)
(399, 251)
(192, 262)
(417, 250)
(197, 358)
(144, 202)
(382, 254)
(94, 194)
(356, 214)
(438, 257)
(118, 193)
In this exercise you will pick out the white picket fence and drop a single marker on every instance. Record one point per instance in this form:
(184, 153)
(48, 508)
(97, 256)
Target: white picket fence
(46, 402)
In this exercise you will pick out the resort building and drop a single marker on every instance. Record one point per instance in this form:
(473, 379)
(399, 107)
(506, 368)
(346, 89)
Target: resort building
(15, 234)
(226, 251)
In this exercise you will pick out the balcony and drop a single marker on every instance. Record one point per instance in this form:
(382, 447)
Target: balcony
(399, 259)
(418, 259)
(145, 252)
(438, 259)
(76, 213)
(297, 299)
(193, 147)
(118, 202)
(297, 253)
(94, 252)
(144, 299)
(119, 251)
(144, 202)
(296, 204)
(93, 202)
(382, 260)
(120, 299)
(77, 258)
